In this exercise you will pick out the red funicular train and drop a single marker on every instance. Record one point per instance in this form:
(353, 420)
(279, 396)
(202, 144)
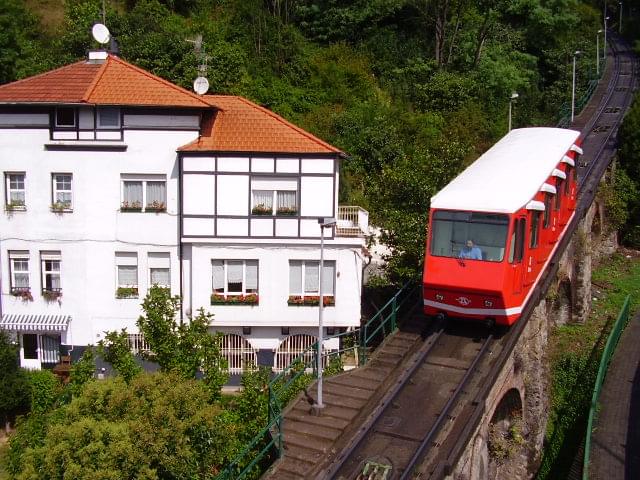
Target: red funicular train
(493, 229)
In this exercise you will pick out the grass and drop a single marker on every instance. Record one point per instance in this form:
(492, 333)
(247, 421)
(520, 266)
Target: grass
(4, 447)
(575, 352)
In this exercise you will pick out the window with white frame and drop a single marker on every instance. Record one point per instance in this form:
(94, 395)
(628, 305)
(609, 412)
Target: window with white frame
(62, 191)
(19, 269)
(51, 267)
(144, 193)
(126, 275)
(16, 191)
(108, 118)
(159, 269)
(274, 196)
(304, 278)
(234, 277)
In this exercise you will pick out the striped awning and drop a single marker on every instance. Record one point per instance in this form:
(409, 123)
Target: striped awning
(40, 323)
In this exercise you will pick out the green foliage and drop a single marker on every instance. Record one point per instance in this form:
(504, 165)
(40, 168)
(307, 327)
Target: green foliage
(114, 348)
(82, 372)
(158, 426)
(182, 348)
(46, 389)
(621, 197)
(629, 188)
(14, 385)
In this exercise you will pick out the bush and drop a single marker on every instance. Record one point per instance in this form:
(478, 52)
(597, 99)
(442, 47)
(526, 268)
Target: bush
(45, 389)
(14, 386)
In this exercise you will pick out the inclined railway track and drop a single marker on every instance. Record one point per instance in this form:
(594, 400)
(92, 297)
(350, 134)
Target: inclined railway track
(393, 441)
(452, 373)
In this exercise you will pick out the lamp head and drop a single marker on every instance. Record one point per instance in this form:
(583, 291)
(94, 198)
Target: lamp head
(326, 222)
(514, 95)
(577, 53)
(600, 31)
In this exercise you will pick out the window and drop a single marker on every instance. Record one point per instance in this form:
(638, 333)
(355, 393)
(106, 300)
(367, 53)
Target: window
(65, 117)
(62, 194)
(274, 197)
(234, 279)
(16, 192)
(567, 184)
(19, 271)
(546, 220)
(535, 230)
(304, 278)
(516, 250)
(458, 234)
(559, 189)
(51, 284)
(126, 275)
(109, 118)
(147, 194)
(30, 346)
(159, 269)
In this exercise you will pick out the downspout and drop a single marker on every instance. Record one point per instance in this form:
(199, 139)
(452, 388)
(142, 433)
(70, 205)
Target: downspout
(180, 253)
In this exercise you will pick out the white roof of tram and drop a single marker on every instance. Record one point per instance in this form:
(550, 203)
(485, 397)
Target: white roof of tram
(508, 175)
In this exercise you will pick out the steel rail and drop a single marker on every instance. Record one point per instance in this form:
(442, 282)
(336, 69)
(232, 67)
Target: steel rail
(445, 467)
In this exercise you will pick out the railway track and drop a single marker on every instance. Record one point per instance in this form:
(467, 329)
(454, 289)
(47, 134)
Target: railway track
(413, 417)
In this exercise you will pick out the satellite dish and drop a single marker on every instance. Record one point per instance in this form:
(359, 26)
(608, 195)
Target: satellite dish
(200, 85)
(100, 33)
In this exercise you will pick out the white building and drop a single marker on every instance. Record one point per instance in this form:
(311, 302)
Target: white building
(115, 179)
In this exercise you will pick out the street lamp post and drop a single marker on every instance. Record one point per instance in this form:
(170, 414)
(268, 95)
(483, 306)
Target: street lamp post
(324, 223)
(573, 85)
(514, 95)
(604, 47)
(620, 21)
(598, 53)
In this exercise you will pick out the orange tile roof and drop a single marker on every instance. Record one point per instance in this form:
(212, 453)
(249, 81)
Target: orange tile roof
(113, 82)
(242, 126)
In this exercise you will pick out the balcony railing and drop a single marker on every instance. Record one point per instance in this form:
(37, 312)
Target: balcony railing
(352, 222)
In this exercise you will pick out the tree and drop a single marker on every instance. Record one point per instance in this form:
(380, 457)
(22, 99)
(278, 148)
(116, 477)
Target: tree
(182, 348)
(14, 385)
(114, 348)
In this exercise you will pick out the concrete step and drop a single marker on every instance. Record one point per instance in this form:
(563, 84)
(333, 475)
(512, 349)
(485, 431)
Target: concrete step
(325, 431)
(293, 468)
(302, 454)
(330, 410)
(395, 349)
(372, 372)
(280, 474)
(344, 402)
(353, 380)
(302, 416)
(302, 441)
(346, 391)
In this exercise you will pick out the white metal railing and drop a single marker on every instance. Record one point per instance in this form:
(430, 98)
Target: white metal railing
(239, 353)
(50, 348)
(352, 221)
(138, 344)
(294, 346)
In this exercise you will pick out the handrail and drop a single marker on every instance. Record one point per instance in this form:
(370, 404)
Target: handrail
(284, 385)
(609, 349)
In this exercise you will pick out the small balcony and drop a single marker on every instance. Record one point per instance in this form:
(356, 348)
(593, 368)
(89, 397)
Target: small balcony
(352, 222)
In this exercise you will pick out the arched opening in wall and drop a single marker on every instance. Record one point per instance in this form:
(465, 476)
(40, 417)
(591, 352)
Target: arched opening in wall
(240, 355)
(295, 348)
(596, 223)
(506, 436)
(563, 304)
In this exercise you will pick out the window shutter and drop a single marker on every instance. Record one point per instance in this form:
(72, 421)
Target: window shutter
(311, 277)
(295, 277)
(328, 277)
(217, 268)
(252, 275)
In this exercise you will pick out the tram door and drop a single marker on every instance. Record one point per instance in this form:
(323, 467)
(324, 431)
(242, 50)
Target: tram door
(516, 253)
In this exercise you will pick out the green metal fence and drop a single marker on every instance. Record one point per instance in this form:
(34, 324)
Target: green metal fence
(565, 110)
(267, 445)
(609, 349)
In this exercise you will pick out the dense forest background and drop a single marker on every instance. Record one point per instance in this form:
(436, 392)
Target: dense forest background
(411, 90)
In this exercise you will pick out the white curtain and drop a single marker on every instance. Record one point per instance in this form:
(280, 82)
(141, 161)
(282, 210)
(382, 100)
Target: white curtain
(287, 199)
(217, 268)
(328, 276)
(251, 276)
(132, 192)
(63, 188)
(127, 275)
(160, 276)
(234, 276)
(21, 273)
(263, 197)
(156, 192)
(295, 277)
(311, 277)
(16, 187)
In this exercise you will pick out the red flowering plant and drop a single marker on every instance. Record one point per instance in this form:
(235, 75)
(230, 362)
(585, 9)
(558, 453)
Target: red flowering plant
(23, 293)
(311, 300)
(249, 299)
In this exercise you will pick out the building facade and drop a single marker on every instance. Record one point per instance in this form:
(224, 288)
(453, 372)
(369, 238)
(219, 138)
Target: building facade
(115, 180)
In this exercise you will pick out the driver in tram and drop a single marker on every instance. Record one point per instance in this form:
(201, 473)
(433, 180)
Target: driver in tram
(470, 251)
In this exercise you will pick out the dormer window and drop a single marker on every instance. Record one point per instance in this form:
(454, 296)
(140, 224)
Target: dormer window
(108, 117)
(65, 117)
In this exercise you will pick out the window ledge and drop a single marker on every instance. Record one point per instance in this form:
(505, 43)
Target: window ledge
(14, 209)
(85, 145)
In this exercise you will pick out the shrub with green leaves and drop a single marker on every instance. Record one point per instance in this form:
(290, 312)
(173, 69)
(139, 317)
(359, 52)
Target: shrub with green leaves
(14, 385)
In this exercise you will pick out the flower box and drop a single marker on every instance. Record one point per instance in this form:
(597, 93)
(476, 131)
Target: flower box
(22, 292)
(250, 299)
(15, 206)
(131, 207)
(261, 209)
(289, 211)
(51, 295)
(61, 207)
(127, 292)
(156, 207)
(310, 300)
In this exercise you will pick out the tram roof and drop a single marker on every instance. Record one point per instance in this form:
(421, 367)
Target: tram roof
(508, 175)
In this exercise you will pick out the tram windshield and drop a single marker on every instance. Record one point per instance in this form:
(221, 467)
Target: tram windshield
(469, 235)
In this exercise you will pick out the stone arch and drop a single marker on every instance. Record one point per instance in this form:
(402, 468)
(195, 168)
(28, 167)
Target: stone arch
(596, 220)
(479, 459)
(505, 435)
(563, 304)
(239, 353)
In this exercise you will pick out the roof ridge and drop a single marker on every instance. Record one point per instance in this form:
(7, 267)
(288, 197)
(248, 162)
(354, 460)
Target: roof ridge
(160, 79)
(94, 82)
(282, 120)
(48, 72)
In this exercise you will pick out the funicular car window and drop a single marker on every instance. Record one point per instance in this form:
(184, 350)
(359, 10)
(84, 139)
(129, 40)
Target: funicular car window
(452, 230)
